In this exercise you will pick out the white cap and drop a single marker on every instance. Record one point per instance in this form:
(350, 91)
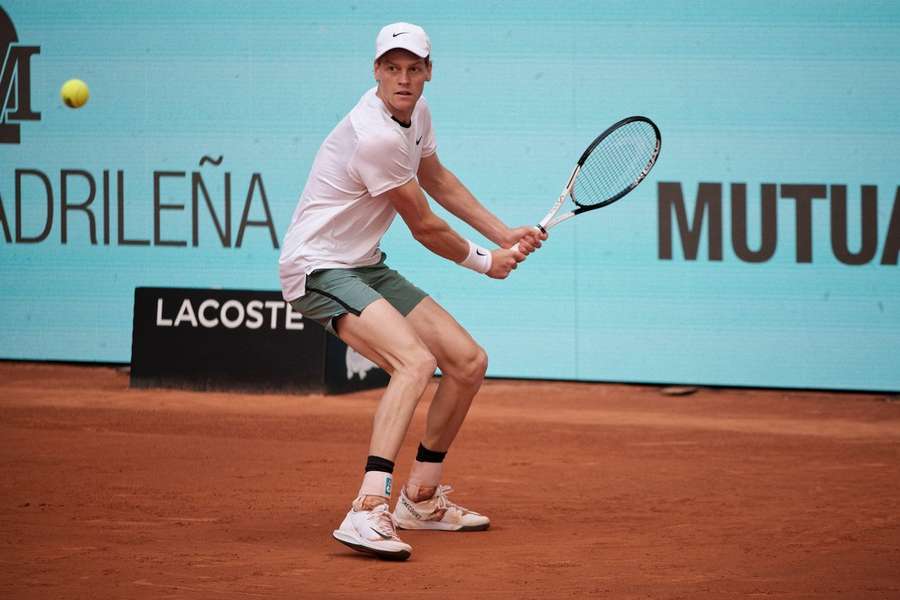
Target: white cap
(402, 35)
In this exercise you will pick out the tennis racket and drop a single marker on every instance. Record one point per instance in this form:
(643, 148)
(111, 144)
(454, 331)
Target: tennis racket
(614, 164)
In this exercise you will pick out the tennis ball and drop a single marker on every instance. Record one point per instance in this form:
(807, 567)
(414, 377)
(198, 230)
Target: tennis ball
(74, 93)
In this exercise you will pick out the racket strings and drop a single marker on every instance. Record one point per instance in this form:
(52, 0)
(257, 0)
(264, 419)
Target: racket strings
(616, 164)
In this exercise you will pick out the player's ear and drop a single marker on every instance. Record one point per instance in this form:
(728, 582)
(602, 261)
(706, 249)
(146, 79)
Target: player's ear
(375, 70)
(428, 70)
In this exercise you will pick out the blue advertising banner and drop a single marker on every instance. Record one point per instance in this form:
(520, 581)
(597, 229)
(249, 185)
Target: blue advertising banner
(761, 251)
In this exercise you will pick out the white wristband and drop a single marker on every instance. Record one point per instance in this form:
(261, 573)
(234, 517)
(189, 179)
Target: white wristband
(479, 259)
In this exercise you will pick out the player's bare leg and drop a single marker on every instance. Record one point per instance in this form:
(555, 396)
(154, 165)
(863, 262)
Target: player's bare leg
(423, 502)
(381, 334)
(463, 364)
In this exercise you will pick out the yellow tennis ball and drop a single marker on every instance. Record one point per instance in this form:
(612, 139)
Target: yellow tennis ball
(74, 93)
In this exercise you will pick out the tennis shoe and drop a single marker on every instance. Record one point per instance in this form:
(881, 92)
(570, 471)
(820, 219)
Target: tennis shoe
(373, 532)
(437, 513)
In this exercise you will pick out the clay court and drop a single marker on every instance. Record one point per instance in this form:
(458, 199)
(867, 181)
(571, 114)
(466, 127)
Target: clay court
(611, 491)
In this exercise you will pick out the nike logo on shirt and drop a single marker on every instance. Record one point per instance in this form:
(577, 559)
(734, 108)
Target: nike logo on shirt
(419, 140)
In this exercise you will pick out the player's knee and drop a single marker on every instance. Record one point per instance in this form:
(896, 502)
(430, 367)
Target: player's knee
(480, 364)
(427, 365)
(420, 364)
(473, 366)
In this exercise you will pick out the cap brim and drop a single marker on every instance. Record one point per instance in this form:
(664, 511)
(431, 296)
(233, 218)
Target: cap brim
(417, 50)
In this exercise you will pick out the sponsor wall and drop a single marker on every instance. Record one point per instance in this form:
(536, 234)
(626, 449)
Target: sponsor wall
(761, 251)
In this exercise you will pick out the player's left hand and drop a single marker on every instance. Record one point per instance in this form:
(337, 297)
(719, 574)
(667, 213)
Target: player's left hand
(528, 238)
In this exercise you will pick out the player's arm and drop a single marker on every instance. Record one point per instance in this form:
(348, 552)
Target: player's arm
(446, 188)
(435, 234)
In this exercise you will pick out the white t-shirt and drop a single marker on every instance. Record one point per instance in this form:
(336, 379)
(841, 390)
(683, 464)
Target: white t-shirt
(338, 222)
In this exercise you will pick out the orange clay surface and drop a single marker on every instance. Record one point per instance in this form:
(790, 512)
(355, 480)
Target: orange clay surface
(612, 491)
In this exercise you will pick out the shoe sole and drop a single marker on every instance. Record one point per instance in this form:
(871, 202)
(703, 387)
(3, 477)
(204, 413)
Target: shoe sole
(438, 527)
(382, 554)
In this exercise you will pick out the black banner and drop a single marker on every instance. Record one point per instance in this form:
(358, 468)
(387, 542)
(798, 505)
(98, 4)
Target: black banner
(238, 340)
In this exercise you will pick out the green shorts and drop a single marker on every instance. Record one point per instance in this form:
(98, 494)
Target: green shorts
(331, 293)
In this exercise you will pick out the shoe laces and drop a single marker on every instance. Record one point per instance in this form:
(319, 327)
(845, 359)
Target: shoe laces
(445, 503)
(381, 520)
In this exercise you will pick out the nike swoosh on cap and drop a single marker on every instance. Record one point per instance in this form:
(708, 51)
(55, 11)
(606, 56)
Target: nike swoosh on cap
(401, 33)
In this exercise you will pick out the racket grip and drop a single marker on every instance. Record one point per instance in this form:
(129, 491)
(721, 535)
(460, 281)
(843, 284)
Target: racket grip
(538, 227)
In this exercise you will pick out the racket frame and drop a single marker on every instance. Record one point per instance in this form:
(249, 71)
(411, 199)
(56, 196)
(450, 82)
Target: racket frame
(551, 220)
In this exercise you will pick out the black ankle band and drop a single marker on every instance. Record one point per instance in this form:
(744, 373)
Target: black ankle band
(426, 455)
(376, 463)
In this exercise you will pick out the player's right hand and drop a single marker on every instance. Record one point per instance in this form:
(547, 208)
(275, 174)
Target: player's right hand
(528, 239)
(504, 260)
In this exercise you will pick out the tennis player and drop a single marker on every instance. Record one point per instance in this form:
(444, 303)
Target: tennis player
(372, 166)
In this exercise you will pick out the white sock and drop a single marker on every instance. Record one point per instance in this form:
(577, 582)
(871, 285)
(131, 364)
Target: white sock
(425, 475)
(376, 483)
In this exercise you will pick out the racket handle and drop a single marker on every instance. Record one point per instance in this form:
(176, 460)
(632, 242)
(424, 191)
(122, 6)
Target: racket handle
(536, 228)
